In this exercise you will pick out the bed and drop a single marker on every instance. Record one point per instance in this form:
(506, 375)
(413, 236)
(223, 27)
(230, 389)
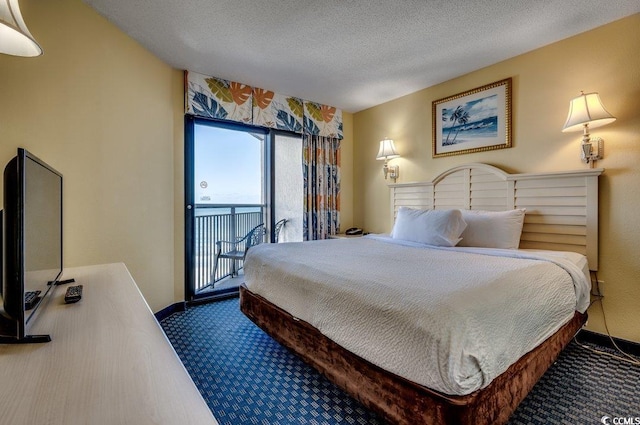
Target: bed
(477, 387)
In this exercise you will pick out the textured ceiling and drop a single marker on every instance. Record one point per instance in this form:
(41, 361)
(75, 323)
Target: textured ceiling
(348, 53)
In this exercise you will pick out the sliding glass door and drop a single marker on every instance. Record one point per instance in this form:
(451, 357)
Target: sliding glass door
(239, 182)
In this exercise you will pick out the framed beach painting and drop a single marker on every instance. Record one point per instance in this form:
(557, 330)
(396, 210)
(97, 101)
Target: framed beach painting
(474, 121)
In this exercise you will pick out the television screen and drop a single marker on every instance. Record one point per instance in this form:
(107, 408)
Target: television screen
(42, 225)
(31, 241)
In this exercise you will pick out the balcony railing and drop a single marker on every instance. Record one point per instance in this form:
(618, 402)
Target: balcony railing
(217, 223)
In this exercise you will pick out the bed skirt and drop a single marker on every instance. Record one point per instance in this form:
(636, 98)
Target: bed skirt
(399, 400)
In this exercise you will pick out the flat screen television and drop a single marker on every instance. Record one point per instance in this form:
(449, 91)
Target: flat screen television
(31, 243)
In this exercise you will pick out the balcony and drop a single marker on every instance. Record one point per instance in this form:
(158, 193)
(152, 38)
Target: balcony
(213, 224)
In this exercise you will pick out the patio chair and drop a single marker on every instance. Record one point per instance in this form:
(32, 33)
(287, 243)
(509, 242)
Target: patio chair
(279, 225)
(237, 250)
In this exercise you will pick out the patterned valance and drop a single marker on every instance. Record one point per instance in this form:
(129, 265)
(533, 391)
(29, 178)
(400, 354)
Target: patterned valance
(213, 97)
(322, 120)
(277, 111)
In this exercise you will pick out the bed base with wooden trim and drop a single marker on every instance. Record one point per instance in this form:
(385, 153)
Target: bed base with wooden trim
(396, 399)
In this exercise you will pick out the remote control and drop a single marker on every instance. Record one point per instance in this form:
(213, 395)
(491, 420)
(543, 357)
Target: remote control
(73, 294)
(31, 298)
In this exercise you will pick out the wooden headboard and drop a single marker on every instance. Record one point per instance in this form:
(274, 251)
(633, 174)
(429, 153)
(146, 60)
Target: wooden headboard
(562, 207)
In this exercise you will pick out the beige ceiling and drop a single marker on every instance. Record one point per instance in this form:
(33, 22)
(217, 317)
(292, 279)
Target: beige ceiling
(348, 53)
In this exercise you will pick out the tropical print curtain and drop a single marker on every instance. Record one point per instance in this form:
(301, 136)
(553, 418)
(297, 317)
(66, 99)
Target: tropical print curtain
(213, 97)
(321, 172)
(220, 99)
(273, 110)
(322, 120)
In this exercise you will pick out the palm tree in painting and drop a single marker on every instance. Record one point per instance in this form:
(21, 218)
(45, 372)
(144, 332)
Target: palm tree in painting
(462, 119)
(455, 116)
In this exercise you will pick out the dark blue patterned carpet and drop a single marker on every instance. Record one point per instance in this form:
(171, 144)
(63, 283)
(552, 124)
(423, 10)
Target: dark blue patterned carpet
(248, 378)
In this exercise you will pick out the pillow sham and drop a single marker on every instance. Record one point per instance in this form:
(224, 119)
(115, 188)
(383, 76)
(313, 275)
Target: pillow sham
(492, 229)
(431, 227)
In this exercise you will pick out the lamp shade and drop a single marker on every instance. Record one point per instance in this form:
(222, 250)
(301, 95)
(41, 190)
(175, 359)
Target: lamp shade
(387, 150)
(15, 38)
(587, 109)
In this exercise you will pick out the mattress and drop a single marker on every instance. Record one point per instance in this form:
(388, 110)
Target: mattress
(450, 319)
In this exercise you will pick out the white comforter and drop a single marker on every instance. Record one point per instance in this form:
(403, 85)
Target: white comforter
(451, 319)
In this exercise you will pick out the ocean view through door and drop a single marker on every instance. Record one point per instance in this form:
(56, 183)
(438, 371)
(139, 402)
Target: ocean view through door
(229, 200)
(241, 184)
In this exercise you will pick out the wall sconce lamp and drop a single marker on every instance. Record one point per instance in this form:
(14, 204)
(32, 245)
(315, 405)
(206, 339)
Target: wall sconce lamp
(15, 38)
(388, 151)
(584, 111)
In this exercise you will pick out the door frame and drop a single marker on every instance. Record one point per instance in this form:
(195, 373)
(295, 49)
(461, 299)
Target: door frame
(190, 122)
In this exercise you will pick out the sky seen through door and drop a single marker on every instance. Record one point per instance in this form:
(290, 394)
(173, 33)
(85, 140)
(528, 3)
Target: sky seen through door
(228, 166)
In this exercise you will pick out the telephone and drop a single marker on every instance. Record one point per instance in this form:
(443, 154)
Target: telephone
(353, 231)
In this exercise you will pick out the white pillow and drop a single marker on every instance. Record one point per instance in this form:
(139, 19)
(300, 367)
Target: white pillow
(492, 229)
(431, 227)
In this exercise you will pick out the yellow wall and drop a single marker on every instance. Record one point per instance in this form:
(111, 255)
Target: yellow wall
(109, 115)
(604, 60)
(100, 109)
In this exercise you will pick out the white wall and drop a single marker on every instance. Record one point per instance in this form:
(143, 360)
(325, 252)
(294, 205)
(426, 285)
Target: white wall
(289, 187)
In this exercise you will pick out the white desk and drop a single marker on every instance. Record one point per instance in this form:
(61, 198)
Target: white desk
(108, 362)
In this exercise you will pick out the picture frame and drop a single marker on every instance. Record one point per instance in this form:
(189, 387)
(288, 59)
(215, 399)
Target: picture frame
(473, 121)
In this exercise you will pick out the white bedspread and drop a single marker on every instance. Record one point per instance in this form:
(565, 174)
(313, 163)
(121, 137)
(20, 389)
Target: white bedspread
(451, 319)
